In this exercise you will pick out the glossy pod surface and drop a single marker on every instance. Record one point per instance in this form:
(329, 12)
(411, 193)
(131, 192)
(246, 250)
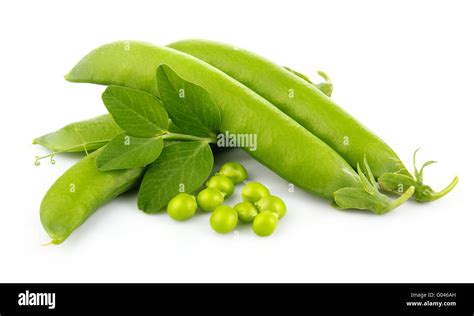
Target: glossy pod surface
(80, 191)
(283, 145)
(75, 137)
(301, 100)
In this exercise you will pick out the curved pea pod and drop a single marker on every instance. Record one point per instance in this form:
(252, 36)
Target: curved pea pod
(295, 95)
(283, 145)
(85, 135)
(79, 192)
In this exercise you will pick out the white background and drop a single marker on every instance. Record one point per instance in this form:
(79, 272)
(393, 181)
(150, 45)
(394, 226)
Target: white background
(404, 68)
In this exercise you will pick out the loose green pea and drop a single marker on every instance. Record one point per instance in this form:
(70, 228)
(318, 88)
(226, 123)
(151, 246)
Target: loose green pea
(246, 211)
(223, 219)
(221, 183)
(234, 171)
(254, 191)
(272, 203)
(210, 198)
(182, 207)
(265, 223)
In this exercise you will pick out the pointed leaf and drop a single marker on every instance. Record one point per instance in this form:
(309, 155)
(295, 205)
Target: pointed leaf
(127, 152)
(365, 182)
(189, 106)
(139, 113)
(355, 198)
(181, 167)
(369, 173)
(414, 163)
(426, 164)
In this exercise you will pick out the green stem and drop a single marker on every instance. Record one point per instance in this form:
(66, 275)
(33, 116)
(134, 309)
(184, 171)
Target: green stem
(168, 135)
(430, 195)
(176, 136)
(397, 183)
(368, 197)
(51, 155)
(402, 199)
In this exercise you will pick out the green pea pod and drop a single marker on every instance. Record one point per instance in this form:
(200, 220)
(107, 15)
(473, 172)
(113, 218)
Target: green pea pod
(80, 191)
(86, 135)
(283, 145)
(294, 95)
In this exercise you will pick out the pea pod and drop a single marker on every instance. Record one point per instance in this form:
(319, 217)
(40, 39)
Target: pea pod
(81, 136)
(284, 146)
(80, 191)
(295, 95)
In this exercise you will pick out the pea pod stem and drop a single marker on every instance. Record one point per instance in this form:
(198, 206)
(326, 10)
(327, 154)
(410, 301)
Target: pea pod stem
(368, 197)
(402, 199)
(54, 153)
(436, 195)
(177, 136)
(397, 182)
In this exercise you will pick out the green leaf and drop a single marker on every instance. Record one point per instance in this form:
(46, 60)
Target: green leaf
(368, 187)
(325, 87)
(356, 198)
(189, 106)
(80, 136)
(181, 167)
(139, 113)
(369, 173)
(368, 196)
(127, 152)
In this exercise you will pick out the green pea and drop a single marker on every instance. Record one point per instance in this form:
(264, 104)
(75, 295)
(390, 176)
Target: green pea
(254, 191)
(209, 198)
(223, 219)
(272, 203)
(265, 223)
(221, 183)
(246, 211)
(234, 171)
(182, 207)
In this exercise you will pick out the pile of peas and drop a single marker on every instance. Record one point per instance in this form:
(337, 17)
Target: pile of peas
(258, 207)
